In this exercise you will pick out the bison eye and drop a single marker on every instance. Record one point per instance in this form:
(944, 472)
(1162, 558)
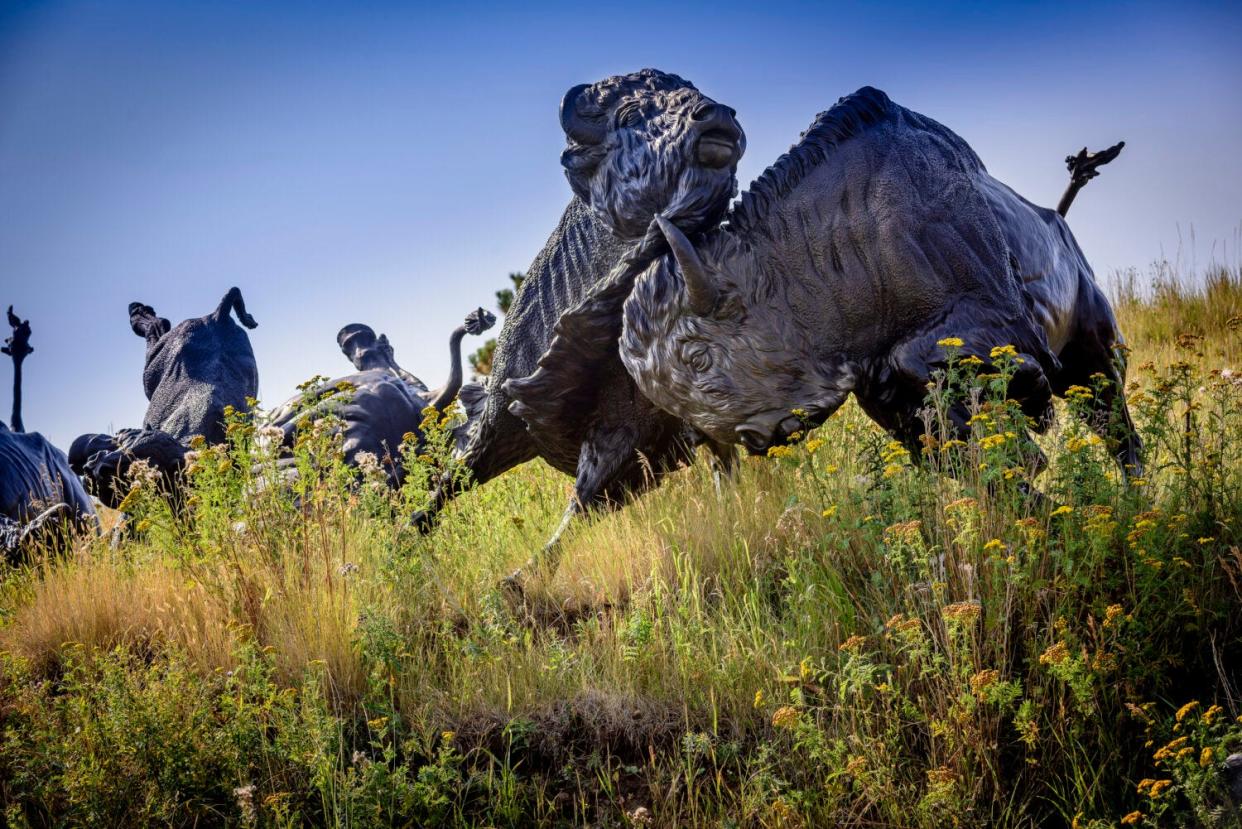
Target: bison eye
(698, 356)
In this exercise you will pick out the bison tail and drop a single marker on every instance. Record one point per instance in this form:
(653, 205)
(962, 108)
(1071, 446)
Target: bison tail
(1082, 168)
(233, 302)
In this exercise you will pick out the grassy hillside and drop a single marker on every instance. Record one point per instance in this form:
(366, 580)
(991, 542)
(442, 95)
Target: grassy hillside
(835, 638)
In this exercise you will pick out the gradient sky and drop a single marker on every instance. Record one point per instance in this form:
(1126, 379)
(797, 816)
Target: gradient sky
(386, 164)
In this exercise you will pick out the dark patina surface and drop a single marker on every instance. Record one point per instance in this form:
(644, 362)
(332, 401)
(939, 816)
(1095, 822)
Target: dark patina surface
(38, 490)
(838, 272)
(638, 144)
(382, 402)
(192, 373)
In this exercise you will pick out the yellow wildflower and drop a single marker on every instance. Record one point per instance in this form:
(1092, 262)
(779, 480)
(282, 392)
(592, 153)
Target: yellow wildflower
(1111, 615)
(951, 342)
(971, 360)
(1055, 654)
(855, 764)
(1207, 539)
(785, 717)
(1186, 709)
(1132, 818)
(1003, 351)
(759, 700)
(983, 680)
(1158, 787)
(992, 441)
(903, 531)
(1062, 510)
(448, 736)
(1205, 758)
(813, 444)
(131, 497)
(961, 611)
(1167, 751)
(831, 511)
(994, 544)
(1211, 714)
(779, 452)
(854, 643)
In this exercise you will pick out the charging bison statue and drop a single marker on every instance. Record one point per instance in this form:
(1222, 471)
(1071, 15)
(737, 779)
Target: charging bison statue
(38, 491)
(637, 145)
(193, 373)
(877, 235)
(381, 403)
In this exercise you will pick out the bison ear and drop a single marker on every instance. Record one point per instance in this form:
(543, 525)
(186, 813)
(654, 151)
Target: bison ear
(701, 288)
(578, 127)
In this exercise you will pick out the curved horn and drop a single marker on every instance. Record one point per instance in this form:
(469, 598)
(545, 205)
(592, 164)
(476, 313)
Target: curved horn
(582, 130)
(700, 288)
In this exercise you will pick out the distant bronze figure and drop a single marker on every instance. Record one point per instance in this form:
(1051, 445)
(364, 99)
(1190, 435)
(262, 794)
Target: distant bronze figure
(383, 402)
(17, 346)
(193, 372)
(1084, 167)
(877, 235)
(637, 144)
(38, 491)
(196, 370)
(105, 460)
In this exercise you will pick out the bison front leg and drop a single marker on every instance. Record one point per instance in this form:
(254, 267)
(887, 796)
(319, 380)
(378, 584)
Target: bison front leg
(607, 459)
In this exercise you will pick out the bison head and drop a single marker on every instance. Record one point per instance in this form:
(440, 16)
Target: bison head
(650, 143)
(708, 339)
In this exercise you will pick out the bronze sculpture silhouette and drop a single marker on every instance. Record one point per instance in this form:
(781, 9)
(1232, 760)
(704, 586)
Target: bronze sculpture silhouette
(193, 373)
(636, 144)
(38, 491)
(839, 271)
(382, 402)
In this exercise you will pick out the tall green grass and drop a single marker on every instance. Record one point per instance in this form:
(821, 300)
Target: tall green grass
(837, 637)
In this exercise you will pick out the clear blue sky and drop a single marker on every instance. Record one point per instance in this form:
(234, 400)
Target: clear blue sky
(386, 164)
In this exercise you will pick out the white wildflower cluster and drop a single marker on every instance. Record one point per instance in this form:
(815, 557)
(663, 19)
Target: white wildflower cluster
(143, 473)
(368, 463)
(269, 435)
(245, 803)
